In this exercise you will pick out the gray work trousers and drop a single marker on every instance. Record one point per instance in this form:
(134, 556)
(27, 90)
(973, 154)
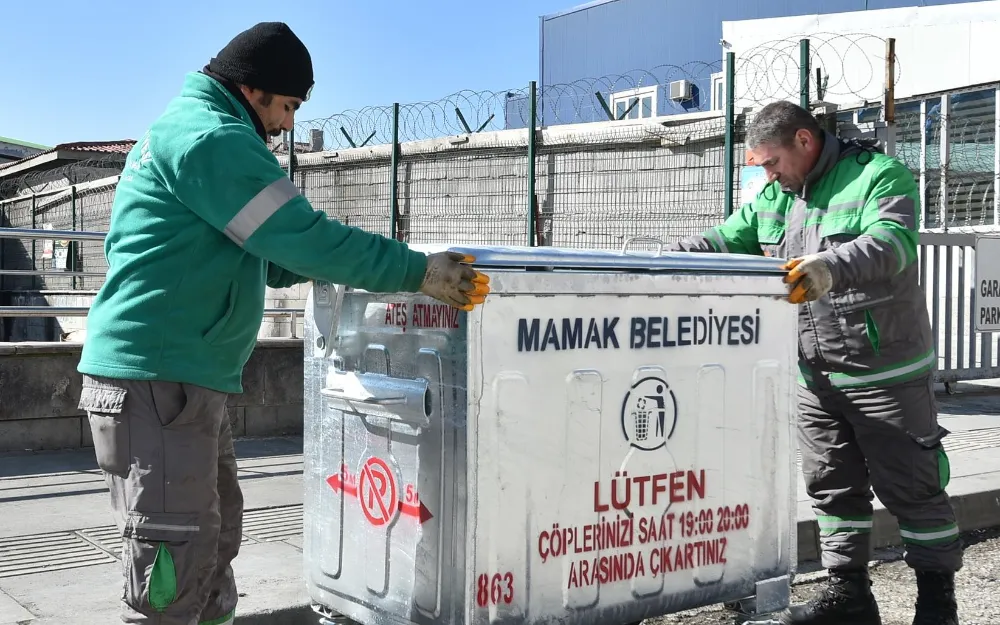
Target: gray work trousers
(166, 450)
(889, 439)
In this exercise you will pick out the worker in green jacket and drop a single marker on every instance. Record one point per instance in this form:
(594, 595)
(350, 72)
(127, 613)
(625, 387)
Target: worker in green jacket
(204, 219)
(846, 216)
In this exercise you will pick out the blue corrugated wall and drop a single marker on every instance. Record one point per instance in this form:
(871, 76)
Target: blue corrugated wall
(620, 44)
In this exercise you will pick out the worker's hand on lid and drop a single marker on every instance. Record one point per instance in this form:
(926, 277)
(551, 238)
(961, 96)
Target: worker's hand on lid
(809, 278)
(454, 283)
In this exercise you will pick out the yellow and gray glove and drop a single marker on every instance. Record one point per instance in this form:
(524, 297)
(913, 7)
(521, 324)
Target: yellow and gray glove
(809, 278)
(456, 284)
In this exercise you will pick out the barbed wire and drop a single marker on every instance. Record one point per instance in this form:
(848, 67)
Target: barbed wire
(467, 112)
(591, 99)
(463, 112)
(850, 64)
(44, 181)
(969, 191)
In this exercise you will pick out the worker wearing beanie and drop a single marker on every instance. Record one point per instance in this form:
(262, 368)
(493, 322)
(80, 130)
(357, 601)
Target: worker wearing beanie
(204, 219)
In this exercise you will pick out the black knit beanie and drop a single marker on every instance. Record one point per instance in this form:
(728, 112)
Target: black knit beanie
(268, 57)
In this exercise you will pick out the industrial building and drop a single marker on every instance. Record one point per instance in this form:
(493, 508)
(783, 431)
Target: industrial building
(656, 57)
(14, 150)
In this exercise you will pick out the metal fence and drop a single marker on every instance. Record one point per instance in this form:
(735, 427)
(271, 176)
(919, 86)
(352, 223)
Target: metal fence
(947, 260)
(609, 159)
(76, 207)
(958, 189)
(76, 238)
(590, 185)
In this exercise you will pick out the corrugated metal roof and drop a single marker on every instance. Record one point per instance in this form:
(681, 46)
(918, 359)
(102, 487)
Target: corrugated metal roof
(111, 147)
(121, 146)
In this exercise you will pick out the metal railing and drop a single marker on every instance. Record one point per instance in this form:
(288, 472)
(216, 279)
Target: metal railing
(947, 261)
(81, 311)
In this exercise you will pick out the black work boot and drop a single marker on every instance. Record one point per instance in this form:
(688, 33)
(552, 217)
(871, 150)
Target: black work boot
(846, 599)
(936, 603)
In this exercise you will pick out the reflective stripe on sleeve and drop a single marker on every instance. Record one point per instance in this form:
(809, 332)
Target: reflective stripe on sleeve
(253, 215)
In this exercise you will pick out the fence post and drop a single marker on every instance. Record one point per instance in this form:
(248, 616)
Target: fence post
(532, 146)
(996, 157)
(394, 175)
(291, 154)
(4, 221)
(804, 73)
(889, 98)
(730, 130)
(34, 258)
(71, 245)
(944, 160)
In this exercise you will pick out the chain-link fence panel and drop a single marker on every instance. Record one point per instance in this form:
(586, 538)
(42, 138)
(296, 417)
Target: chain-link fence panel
(94, 214)
(19, 254)
(642, 180)
(356, 193)
(471, 197)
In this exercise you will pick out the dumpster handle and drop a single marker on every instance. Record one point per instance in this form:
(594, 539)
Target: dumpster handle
(338, 305)
(339, 393)
(382, 396)
(631, 240)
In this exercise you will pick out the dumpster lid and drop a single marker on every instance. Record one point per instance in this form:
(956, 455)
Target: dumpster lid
(559, 258)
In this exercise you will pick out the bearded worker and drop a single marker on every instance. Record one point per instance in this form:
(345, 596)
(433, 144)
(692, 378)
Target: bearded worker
(204, 219)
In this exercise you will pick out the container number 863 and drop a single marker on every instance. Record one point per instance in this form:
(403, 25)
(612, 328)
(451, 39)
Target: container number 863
(495, 590)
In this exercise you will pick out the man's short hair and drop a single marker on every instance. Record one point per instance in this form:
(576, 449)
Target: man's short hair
(777, 123)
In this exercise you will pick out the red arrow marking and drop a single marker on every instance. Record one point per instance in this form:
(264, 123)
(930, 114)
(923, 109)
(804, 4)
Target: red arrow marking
(417, 511)
(337, 484)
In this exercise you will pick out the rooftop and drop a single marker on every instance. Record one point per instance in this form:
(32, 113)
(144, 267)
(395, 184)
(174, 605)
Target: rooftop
(23, 144)
(79, 150)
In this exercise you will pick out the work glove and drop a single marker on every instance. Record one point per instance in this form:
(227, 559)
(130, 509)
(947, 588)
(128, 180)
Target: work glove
(453, 283)
(809, 278)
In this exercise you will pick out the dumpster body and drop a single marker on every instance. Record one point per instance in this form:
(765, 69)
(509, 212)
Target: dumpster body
(608, 438)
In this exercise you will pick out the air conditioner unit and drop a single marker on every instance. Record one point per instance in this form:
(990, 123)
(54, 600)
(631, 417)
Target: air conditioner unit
(681, 90)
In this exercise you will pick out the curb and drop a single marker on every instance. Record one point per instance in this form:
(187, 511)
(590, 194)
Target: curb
(973, 511)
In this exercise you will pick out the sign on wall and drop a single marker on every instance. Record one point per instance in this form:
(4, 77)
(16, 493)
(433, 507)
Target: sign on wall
(987, 280)
(48, 245)
(752, 180)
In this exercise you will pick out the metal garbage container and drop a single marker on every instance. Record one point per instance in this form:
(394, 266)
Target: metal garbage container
(608, 438)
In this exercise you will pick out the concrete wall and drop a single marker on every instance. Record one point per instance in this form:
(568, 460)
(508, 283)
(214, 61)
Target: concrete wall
(40, 388)
(596, 185)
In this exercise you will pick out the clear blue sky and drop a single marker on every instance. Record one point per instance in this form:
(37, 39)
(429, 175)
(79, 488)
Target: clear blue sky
(97, 70)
